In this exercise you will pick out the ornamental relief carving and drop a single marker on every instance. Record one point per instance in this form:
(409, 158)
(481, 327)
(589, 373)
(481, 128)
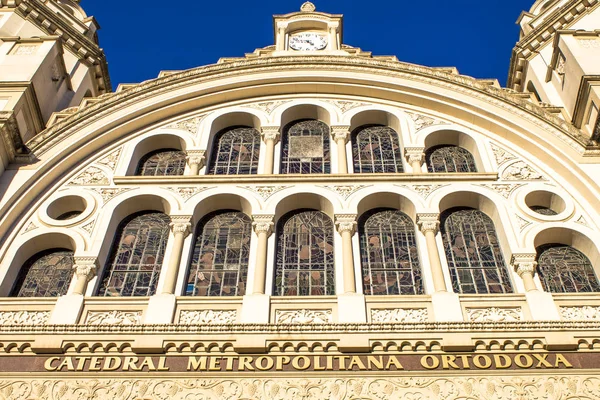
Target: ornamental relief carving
(520, 171)
(113, 318)
(522, 222)
(91, 176)
(267, 106)
(399, 315)
(191, 124)
(494, 314)
(423, 190)
(345, 105)
(423, 121)
(24, 317)
(110, 161)
(584, 313)
(265, 191)
(303, 316)
(31, 226)
(188, 191)
(503, 190)
(340, 388)
(188, 317)
(345, 190)
(108, 193)
(501, 155)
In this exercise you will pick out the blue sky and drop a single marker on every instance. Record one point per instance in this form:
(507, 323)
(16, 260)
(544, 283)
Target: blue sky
(141, 38)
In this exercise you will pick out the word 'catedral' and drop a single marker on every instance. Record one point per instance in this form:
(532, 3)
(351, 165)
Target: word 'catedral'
(308, 220)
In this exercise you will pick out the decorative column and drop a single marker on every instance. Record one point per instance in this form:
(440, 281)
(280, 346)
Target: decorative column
(196, 160)
(280, 42)
(346, 226)
(270, 135)
(341, 134)
(332, 33)
(415, 157)
(263, 227)
(429, 225)
(181, 227)
(85, 269)
(525, 266)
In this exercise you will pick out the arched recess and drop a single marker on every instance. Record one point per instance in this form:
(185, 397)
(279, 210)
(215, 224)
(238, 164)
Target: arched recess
(14, 261)
(304, 200)
(151, 144)
(387, 200)
(455, 138)
(376, 117)
(221, 201)
(218, 122)
(305, 110)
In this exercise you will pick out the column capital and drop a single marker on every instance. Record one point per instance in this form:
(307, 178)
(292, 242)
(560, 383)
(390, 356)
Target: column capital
(340, 132)
(263, 224)
(86, 266)
(414, 154)
(345, 223)
(270, 133)
(429, 222)
(524, 263)
(196, 157)
(181, 224)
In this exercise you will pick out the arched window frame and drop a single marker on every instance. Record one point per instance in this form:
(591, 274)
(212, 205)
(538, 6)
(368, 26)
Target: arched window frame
(450, 159)
(473, 252)
(305, 165)
(173, 163)
(367, 154)
(232, 259)
(564, 269)
(37, 279)
(295, 275)
(389, 254)
(226, 160)
(123, 268)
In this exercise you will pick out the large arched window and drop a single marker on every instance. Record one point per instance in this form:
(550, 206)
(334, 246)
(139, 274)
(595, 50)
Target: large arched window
(474, 255)
(376, 149)
(46, 274)
(163, 162)
(448, 158)
(564, 269)
(304, 264)
(219, 264)
(136, 256)
(305, 148)
(235, 152)
(388, 252)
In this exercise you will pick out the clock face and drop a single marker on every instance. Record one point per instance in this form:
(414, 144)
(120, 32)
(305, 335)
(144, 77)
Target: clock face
(308, 41)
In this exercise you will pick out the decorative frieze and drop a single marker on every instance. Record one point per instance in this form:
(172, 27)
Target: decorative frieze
(91, 176)
(495, 314)
(303, 316)
(520, 171)
(187, 317)
(399, 315)
(24, 317)
(581, 313)
(113, 318)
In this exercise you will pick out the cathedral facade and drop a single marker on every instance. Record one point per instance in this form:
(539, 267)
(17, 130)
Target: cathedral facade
(308, 221)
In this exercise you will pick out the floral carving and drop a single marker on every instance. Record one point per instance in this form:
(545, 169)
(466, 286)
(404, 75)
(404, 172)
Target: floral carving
(520, 171)
(399, 315)
(345, 190)
(191, 125)
(114, 318)
(207, 317)
(585, 313)
(501, 155)
(109, 193)
(345, 105)
(265, 191)
(423, 121)
(111, 160)
(494, 314)
(24, 317)
(266, 106)
(187, 191)
(91, 176)
(303, 316)
(503, 190)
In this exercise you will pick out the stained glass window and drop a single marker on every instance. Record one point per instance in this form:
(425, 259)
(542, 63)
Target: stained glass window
(235, 152)
(136, 256)
(304, 264)
(474, 255)
(46, 274)
(447, 158)
(164, 162)
(305, 148)
(564, 269)
(219, 265)
(376, 149)
(389, 256)
(543, 210)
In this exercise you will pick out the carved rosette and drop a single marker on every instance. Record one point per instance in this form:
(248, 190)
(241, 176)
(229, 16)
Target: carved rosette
(24, 317)
(392, 315)
(414, 154)
(196, 157)
(181, 225)
(86, 267)
(340, 132)
(113, 318)
(217, 317)
(270, 133)
(583, 313)
(346, 223)
(428, 223)
(495, 314)
(303, 316)
(263, 224)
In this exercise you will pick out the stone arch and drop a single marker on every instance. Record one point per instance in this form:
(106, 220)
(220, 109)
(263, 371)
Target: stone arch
(387, 199)
(306, 109)
(222, 201)
(152, 142)
(218, 121)
(290, 199)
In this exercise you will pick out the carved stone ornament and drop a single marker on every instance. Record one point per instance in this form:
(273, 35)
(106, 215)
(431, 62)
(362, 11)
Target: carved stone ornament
(303, 316)
(110, 161)
(24, 317)
(307, 7)
(495, 314)
(346, 223)
(89, 227)
(180, 224)
(265, 191)
(345, 105)
(425, 190)
(114, 318)
(91, 176)
(267, 106)
(503, 190)
(196, 157)
(429, 223)
(222, 317)
(263, 224)
(86, 266)
(108, 193)
(345, 190)
(186, 192)
(270, 133)
(191, 125)
(340, 132)
(423, 121)
(414, 154)
(501, 155)
(522, 222)
(392, 315)
(30, 227)
(520, 171)
(584, 313)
